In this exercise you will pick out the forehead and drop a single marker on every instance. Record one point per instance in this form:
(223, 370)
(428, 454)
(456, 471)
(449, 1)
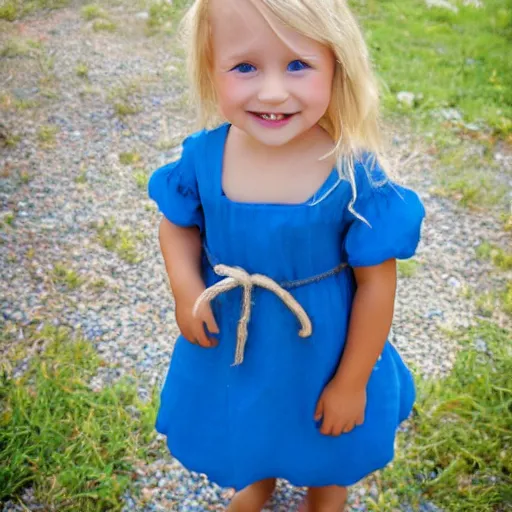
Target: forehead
(239, 27)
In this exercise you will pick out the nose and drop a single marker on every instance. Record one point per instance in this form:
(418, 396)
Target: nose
(273, 89)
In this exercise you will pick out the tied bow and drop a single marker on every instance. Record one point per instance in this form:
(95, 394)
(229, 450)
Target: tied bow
(236, 276)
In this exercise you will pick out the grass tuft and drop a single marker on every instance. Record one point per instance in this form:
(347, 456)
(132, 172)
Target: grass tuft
(141, 179)
(104, 25)
(82, 70)
(458, 451)
(500, 258)
(93, 11)
(46, 134)
(165, 15)
(66, 277)
(119, 240)
(129, 158)
(407, 268)
(74, 446)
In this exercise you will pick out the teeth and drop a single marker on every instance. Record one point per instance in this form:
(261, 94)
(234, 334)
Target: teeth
(272, 117)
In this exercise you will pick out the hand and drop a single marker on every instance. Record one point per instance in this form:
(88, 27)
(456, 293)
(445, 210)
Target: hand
(193, 326)
(340, 408)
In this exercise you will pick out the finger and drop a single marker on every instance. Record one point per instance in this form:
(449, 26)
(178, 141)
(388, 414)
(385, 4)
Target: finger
(319, 411)
(201, 337)
(348, 427)
(337, 429)
(326, 428)
(209, 319)
(209, 340)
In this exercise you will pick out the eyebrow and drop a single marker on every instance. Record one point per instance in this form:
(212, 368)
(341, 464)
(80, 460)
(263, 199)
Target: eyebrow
(248, 55)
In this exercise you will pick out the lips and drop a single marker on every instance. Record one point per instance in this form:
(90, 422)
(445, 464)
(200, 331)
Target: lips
(270, 116)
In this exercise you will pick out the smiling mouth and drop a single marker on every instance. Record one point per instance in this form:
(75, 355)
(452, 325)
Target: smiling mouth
(272, 117)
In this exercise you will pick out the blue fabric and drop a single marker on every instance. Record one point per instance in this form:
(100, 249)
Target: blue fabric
(240, 424)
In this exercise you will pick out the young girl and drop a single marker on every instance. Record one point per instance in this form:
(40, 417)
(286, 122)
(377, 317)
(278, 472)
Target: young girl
(280, 234)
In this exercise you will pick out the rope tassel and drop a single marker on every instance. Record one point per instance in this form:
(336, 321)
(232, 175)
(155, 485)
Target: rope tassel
(234, 277)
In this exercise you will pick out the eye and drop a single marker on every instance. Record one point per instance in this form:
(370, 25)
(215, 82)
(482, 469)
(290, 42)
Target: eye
(297, 65)
(244, 68)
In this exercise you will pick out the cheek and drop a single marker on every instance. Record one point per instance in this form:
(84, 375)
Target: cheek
(231, 92)
(319, 91)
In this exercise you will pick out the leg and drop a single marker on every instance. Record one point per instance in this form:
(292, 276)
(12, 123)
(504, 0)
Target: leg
(326, 499)
(253, 497)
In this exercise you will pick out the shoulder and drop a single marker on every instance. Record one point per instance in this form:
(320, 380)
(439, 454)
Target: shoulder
(368, 171)
(204, 138)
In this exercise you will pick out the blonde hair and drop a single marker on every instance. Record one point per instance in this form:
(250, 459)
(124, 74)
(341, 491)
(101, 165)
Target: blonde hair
(352, 117)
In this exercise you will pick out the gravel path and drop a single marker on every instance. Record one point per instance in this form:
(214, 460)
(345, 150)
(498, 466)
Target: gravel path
(57, 203)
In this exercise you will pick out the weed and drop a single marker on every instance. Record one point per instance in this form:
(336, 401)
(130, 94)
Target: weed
(81, 178)
(82, 70)
(141, 179)
(506, 298)
(72, 445)
(118, 240)
(9, 218)
(104, 25)
(500, 258)
(407, 268)
(92, 12)
(18, 47)
(457, 451)
(25, 177)
(99, 284)
(164, 14)
(67, 277)
(129, 158)
(46, 134)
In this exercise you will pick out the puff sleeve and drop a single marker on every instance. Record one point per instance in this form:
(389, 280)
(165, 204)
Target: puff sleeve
(394, 214)
(174, 189)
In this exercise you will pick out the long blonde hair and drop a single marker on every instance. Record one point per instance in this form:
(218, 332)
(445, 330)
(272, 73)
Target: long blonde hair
(352, 117)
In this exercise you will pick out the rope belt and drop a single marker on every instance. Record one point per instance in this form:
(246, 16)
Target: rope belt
(236, 276)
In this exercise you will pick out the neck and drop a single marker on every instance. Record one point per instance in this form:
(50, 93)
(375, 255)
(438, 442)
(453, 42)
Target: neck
(314, 137)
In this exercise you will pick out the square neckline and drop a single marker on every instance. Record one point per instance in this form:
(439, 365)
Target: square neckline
(224, 130)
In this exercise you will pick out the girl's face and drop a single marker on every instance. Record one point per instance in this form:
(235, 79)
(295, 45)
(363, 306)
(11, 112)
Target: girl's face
(274, 88)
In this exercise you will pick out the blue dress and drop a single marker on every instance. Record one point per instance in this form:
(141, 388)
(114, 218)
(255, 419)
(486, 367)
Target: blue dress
(240, 424)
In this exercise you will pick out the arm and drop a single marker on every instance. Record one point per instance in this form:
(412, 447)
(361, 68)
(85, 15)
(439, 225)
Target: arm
(181, 249)
(370, 322)
(343, 401)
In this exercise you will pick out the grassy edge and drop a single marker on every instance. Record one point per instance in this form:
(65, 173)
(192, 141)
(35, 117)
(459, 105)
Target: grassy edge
(73, 445)
(457, 451)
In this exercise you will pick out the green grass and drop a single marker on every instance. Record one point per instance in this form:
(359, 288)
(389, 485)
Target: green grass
(129, 158)
(165, 15)
(72, 445)
(11, 10)
(446, 60)
(82, 70)
(119, 240)
(123, 99)
(81, 178)
(500, 258)
(20, 47)
(104, 25)
(46, 135)
(141, 179)
(92, 12)
(66, 277)
(458, 453)
(506, 298)
(407, 268)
